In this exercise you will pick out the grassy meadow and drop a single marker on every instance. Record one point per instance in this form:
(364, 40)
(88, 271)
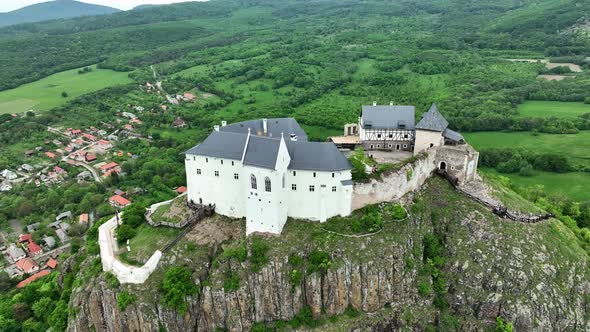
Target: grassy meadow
(46, 93)
(574, 185)
(574, 146)
(545, 109)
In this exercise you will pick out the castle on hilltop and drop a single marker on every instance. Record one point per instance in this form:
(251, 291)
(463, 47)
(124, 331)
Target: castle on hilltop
(267, 171)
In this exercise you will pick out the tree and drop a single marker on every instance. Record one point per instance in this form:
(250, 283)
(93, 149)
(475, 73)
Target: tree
(177, 285)
(134, 215)
(125, 232)
(64, 94)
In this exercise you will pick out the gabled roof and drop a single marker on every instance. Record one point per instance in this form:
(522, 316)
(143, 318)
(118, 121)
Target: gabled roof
(433, 120)
(34, 248)
(120, 200)
(221, 144)
(32, 278)
(316, 156)
(453, 135)
(26, 264)
(276, 126)
(51, 263)
(262, 152)
(388, 117)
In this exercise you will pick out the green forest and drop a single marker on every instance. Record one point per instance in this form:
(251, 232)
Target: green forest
(315, 60)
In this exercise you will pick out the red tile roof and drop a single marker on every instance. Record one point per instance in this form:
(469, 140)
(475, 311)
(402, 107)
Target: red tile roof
(104, 142)
(25, 238)
(109, 166)
(181, 189)
(27, 265)
(32, 278)
(83, 219)
(58, 169)
(89, 137)
(119, 200)
(90, 157)
(50, 155)
(51, 263)
(34, 249)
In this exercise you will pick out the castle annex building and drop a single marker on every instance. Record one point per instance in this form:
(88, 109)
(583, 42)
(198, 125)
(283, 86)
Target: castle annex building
(266, 171)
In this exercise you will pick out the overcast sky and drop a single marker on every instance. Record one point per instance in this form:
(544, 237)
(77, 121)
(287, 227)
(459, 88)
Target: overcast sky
(9, 5)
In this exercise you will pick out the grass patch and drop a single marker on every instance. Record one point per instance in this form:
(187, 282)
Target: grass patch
(575, 146)
(147, 241)
(46, 93)
(545, 109)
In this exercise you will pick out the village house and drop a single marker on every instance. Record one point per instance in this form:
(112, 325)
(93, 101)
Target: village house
(104, 144)
(29, 153)
(34, 249)
(189, 96)
(63, 215)
(181, 190)
(73, 132)
(179, 123)
(5, 186)
(25, 238)
(27, 265)
(49, 241)
(59, 170)
(9, 175)
(57, 142)
(61, 235)
(266, 171)
(89, 137)
(50, 155)
(51, 263)
(15, 253)
(110, 167)
(128, 115)
(89, 157)
(113, 137)
(33, 227)
(119, 201)
(83, 176)
(27, 168)
(83, 219)
(32, 278)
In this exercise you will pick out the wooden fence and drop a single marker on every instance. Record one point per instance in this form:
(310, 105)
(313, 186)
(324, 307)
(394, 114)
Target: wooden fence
(498, 210)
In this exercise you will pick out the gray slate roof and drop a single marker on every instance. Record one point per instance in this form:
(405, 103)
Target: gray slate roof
(221, 144)
(315, 156)
(388, 117)
(453, 135)
(230, 141)
(433, 120)
(262, 152)
(275, 127)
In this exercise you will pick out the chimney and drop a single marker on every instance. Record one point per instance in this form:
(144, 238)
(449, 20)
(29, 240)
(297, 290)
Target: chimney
(223, 123)
(216, 128)
(265, 126)
(374, 103)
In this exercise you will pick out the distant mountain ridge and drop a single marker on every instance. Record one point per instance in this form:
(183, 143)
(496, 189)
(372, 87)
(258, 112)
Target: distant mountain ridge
(52, 10)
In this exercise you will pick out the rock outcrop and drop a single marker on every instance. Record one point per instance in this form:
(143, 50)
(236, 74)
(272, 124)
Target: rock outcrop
(535, 276)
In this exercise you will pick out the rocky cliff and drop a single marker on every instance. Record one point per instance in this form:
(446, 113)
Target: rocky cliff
(534, 276)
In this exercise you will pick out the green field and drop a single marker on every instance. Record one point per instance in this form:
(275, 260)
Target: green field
(46, 93)
(574, 146)
(574, 185)
(545, 109)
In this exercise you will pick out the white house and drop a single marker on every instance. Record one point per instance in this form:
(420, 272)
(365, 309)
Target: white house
(5, 186)
(8, 174)
(266, 171)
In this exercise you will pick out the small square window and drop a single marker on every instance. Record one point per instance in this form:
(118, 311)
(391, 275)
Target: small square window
(390, 135)
(294, 173)
(294, 187)
(217, 173)
(222, 161)
(198, 171)
(312, 188)
(232, 163)
(206, 160)
(334, 189)
(333, 174)
(406, 136)
(378, 135)
(314, 174)
(236, 176)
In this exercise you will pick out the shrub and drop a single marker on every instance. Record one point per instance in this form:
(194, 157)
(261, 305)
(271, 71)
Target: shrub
(526, 171)
(398, 212)
(231, 282)
(587, 100)
(177, 284)
(112, 281)
(124, 299)
(303, 318)
(424, 288)
(258, 257)
(295, 260)
(318, 261)
(351, 312)
(134, 215)
(125, 232)
(502, 326)
(295, 278)
(239, 253)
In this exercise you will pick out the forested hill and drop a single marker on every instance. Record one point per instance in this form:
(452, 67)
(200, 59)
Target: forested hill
(53, 10)
(127, 40)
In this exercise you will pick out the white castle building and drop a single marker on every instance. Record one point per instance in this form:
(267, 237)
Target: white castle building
(266, 171)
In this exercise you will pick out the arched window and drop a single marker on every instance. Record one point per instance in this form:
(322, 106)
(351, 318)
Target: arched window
(253, 181)
(267, 186)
